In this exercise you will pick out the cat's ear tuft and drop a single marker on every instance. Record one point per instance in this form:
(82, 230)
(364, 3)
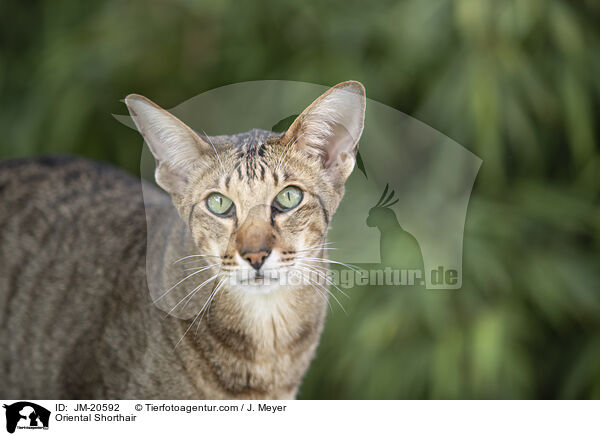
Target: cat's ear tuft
(176, 147)
(331, 127)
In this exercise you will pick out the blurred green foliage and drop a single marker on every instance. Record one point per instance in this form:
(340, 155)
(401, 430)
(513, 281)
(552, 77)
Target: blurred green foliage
(516, 81)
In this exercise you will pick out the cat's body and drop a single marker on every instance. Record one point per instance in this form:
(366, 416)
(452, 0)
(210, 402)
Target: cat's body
(77, 264)
(74, 300)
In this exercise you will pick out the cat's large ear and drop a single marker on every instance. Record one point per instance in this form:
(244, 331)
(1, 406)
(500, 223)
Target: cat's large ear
(176, 148)
(331, 127)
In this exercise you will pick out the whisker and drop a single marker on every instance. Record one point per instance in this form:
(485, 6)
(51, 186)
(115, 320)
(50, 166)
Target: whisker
(193, 321)
(190, 295)
(195, 255)
(326, 278)
(211, 298)
(315, 248)
(331, 282)
(287, 151)
(181, 281)
(320, 245)
(305, 268)
(215, 149)
(317, 291)
(322, 268)
(283, 152)
(196, 267)
(328, 292)
(320, 259)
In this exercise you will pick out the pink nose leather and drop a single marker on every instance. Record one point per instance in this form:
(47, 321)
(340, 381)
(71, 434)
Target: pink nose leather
(256, 259)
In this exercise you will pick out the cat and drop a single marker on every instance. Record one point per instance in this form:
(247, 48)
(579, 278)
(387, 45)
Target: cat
(84, 286)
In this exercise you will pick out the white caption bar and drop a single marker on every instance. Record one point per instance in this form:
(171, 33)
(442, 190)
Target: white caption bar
(302, 417)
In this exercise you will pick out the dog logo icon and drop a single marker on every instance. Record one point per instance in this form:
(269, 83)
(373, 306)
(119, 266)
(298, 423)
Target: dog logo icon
(26, 415)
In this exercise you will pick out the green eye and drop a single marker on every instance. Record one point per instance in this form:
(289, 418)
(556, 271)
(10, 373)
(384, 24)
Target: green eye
(219, 204)
(288, 198)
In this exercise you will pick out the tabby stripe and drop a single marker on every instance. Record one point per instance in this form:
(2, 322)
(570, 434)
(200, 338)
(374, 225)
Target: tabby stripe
(325, 215)
(190, 215)
(262, 172)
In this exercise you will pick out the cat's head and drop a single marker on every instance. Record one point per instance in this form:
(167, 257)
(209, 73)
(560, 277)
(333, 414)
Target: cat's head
(260, 202)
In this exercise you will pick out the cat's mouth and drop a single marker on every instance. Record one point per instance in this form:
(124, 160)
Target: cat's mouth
(259, 278)
(262, 281)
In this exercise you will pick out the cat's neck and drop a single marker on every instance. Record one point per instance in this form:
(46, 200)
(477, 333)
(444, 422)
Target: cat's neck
(255, 346)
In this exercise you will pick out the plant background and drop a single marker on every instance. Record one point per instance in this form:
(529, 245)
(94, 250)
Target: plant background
(517, 82)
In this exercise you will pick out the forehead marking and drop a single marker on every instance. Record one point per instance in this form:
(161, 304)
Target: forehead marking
(262, 172)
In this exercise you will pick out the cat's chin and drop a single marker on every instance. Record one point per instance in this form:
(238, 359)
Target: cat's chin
(258, 289)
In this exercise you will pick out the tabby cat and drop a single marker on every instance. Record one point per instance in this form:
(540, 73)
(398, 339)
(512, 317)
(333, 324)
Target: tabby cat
(81, 277)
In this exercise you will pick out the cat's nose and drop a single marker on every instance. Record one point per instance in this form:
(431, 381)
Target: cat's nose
(256, 258)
